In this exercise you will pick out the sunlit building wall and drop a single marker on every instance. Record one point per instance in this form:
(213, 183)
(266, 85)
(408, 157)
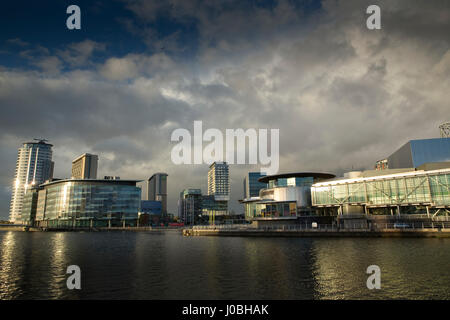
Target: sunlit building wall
(88, 203)
(34, 166)
(417, 152)
(413, 192)
(85, 166)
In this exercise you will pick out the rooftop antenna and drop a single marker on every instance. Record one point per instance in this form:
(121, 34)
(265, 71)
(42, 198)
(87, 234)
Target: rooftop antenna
(40, 140)
(445, 130)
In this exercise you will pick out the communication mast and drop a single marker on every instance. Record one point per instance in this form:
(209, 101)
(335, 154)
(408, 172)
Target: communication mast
(445, 130)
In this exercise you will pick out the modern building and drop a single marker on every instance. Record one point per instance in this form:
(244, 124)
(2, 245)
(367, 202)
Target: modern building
(150, 213)
(85, 166)
(190, 206)
(34, 166)
(287, 197)
(417, 152)
(218, 181)
(155, 189)
(411, 192)
(28, 214)
(252, 185)
(215, 203)
(151, 207)
(213, 208)
(84, 203)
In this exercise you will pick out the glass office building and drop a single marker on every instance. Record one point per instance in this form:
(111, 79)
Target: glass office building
(190, 206)
(29, 206)
(252, 185)
(413, 192)
(88, 203)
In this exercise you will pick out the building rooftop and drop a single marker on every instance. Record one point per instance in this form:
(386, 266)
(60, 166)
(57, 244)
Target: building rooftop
(380, 177)
(91, 180)
(317, 175)
(39, 141)
(161, 173)
(84, 154)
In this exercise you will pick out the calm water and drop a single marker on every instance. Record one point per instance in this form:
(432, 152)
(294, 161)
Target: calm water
(144, 265)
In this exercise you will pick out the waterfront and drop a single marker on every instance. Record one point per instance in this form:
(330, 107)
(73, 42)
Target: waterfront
(146, 265)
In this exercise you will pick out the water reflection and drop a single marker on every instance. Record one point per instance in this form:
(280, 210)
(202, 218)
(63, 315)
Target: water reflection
(410, 268)
(9, 272)
(145, 265)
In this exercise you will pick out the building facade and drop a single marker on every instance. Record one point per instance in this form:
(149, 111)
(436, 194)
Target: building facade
(417, 152)
(252, 185)
(287, 197)
(215, 203)
(34, 166)
(417, 192)
(85, 166)
(157, 189)
(85, 203)
(190, 206)
(218, 181)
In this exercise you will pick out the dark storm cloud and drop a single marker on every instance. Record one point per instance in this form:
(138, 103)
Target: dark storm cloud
(342, 96)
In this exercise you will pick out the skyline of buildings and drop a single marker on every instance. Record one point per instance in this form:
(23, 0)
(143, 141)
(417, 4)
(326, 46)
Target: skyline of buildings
(264, 196)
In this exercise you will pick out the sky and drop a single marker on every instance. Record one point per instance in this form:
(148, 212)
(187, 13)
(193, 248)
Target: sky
(342, 96)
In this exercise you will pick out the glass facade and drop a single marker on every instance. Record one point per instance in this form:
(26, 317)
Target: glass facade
(291, 182)
(151, 207)
(280, 209)
(34, 166)
(190, 206)
(28, 213)
(100, 203)
(252, 185)
(430, 188)
(285, 196)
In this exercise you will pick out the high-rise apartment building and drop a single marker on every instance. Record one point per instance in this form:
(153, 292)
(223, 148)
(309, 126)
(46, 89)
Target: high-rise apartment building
(34, 166)
(218, 181)
(85, 167)
(155, 189)
(216, 202)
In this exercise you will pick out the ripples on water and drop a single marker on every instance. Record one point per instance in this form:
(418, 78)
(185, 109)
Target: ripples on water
(144, 265)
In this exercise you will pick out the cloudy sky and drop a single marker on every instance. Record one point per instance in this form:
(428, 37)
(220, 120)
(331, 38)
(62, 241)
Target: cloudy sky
(342, 96)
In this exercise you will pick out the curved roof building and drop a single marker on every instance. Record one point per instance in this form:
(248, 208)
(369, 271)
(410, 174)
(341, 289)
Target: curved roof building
(287, 196)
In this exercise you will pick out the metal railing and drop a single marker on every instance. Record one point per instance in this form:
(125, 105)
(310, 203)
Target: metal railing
(399, 226)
